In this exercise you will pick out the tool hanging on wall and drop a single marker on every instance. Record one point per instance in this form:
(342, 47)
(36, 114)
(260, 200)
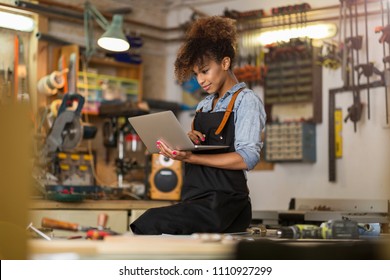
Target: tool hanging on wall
(20, 71)
(367, 69)
(352, 45)
(342, 45)
(250, 67)
(330, 57)
(247, 15)
(5, 85)
(367, 74)
(303, 8)
(385, 38)
(299, 10)
(387, 83)
(338, 129)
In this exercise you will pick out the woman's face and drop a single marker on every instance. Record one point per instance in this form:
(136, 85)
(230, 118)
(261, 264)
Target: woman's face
(210, 75)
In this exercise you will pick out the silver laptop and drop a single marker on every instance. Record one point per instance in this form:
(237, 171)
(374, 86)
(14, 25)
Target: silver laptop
(164, 126)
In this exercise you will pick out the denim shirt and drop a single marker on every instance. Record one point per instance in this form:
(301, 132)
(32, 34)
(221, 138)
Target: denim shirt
(249, 121)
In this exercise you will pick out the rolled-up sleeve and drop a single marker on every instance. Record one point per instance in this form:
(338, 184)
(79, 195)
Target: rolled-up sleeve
(250, 120)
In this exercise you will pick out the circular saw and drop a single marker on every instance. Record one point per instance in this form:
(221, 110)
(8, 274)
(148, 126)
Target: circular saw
(67, 130)
(72, 132)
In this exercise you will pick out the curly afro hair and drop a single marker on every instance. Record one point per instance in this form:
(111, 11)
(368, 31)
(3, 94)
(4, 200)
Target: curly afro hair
(212, 38)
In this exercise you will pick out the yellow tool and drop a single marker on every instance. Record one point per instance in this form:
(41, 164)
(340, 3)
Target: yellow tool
(338, 129)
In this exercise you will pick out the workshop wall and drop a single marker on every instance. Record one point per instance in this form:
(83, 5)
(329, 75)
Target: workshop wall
(72, 31)
(152, 53)
(6, 50)
(362, 172)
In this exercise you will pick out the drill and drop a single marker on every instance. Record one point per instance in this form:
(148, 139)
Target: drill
(333, 229)
(299, 231)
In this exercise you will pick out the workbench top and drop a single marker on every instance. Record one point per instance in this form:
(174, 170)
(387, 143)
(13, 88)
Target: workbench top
(133, 247)
(98, 204)
(209, 247)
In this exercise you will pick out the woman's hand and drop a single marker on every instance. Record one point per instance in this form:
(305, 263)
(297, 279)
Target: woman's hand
(196, 136)
(173, 154)
(230, 160)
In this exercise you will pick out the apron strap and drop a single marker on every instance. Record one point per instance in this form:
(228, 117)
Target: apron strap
(192, 123)
(228, 112)
(226, 115)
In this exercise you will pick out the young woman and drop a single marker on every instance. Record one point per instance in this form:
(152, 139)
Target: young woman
(215, 196)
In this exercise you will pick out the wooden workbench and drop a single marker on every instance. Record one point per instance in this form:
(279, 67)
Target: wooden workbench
(133, 247)
(98, 204)
(128, 246)
(120, 212)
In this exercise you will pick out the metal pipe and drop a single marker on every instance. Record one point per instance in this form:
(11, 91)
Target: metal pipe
(77, 13)
(48, 10)
(51, 39)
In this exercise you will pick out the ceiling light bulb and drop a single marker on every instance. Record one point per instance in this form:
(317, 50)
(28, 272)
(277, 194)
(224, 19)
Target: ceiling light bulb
(313, 31)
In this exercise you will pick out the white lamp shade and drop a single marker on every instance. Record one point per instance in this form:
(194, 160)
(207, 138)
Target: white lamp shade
(114, 39)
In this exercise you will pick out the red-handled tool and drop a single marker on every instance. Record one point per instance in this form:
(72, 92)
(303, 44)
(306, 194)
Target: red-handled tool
(98, 232)
(56, 224)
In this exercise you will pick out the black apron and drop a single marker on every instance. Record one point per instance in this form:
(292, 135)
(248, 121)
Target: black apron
(214, 200)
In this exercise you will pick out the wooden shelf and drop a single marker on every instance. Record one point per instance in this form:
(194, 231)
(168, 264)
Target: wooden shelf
(112, 62)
